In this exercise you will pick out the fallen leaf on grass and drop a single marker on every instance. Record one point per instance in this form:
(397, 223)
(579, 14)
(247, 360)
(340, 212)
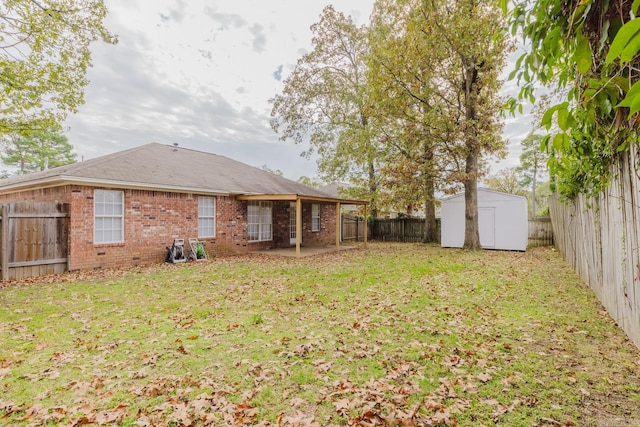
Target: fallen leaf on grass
(109, 417)
(4, 372)
(296, 401)
(484, 377)
(298, 419)
(32, 411)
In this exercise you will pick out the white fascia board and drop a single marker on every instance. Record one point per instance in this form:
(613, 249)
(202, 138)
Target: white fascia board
(95, 182)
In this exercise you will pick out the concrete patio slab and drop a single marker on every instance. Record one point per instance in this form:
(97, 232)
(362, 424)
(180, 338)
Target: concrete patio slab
(305, 251)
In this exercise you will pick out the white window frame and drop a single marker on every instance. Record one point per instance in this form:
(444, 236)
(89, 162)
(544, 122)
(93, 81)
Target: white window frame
(206, 217)
(259, 221)
(315, 217)
(107, 207)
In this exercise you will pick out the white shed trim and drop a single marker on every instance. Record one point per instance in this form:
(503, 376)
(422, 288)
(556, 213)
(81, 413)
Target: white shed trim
(502, 220)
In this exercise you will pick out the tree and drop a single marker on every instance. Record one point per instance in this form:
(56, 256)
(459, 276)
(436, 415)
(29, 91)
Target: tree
(533, 162)
(450, 63)
(590, 51)
(407, 111)
(44, 56)
(36, 151)
(309, 182)
(506, 181)
(325, 102)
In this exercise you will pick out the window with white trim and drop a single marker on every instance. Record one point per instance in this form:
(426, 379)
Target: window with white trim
(206, 217)
(108, 216)
(260, 221)
(315, 217)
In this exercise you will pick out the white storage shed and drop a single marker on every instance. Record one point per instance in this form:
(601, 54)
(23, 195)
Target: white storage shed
(502, 219)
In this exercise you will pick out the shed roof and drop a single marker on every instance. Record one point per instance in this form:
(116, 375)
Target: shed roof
(163, 167)
(486, 193)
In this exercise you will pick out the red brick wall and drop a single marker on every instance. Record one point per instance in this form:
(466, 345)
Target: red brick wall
(153, 219)
(326, 235)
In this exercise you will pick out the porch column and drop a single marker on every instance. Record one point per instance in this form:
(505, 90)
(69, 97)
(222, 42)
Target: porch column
(338, 225)
(366, 225)
(298, 225)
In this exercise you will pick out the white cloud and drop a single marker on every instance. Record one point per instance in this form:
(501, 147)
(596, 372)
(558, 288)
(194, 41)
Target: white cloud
(201, 73)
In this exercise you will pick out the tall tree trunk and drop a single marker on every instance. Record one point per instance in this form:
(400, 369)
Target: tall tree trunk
(472, 232)
(430, 229)
(373, 188)
(471, 229)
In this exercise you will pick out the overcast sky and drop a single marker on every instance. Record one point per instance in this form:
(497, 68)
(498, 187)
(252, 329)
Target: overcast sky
(200, 73)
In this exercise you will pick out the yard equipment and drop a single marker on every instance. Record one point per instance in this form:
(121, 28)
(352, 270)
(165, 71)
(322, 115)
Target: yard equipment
(197, 250)
(175, 252)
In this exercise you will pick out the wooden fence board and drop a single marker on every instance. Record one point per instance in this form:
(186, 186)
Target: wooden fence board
(600, 238)
(352, 228)
(34, 239)
(399, 229)
(540, 232)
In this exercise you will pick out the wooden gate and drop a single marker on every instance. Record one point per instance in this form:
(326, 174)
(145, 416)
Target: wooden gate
(34, 239)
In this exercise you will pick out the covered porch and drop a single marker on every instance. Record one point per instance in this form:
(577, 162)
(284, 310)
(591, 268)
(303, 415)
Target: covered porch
(298, 203)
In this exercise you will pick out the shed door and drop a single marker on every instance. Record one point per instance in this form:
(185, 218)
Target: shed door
(487, 226)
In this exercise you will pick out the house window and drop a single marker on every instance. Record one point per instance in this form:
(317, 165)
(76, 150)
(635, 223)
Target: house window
(108, 216)
(315, 217)
(206, 217)
(259, 214)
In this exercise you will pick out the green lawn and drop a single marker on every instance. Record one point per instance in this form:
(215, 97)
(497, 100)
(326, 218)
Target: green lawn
(397, 334)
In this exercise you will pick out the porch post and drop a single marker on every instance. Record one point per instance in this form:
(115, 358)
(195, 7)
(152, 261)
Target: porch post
(298, 225)
(366, 226)
(338, 225)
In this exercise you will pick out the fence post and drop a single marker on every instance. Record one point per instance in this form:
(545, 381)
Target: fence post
(4, 243)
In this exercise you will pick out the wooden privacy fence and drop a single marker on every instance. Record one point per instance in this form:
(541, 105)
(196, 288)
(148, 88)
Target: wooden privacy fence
(540, 232)
(400, 229)
(33, 239)
(352, 228)
(412, 230)
(600, 238)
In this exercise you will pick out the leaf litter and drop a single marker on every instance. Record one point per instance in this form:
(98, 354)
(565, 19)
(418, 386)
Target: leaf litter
(397, 334)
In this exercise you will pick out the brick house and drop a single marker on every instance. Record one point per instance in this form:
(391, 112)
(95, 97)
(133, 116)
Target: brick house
(127, 207)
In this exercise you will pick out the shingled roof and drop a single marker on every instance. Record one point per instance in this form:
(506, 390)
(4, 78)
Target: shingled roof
(164, 168)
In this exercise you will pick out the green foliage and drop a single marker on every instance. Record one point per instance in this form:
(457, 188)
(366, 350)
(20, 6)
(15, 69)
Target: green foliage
(590, 51)
(36, 150)
(506, 181)
(326, 104)
(310, 182)
(44, 56)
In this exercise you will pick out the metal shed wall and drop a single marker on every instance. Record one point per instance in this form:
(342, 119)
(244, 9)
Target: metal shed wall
(502, 219)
